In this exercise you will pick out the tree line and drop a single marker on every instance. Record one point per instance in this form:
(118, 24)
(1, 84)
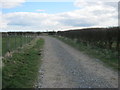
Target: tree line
(108, 38)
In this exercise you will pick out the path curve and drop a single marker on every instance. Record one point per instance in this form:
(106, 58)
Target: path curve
(65, 67)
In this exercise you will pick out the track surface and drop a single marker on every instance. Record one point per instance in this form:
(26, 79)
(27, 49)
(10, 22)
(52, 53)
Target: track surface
(65, 67)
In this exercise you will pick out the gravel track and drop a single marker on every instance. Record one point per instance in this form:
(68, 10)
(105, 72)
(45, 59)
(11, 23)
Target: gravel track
(65, 67)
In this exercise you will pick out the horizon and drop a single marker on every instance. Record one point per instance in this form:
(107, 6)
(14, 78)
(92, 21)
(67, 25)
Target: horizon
(58, 31)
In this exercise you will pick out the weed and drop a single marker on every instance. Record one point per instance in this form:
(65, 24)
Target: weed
(107, 56)
(21, 70)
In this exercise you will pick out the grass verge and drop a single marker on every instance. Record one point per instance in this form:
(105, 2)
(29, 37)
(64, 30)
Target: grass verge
(10, 43)
(21, 70)
(109, 57)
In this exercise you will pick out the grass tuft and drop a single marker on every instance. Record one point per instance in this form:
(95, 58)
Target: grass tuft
(21, 70)
(109, 57)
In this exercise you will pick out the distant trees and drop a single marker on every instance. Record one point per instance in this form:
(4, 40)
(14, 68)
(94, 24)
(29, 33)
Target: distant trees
(108, 38)
(51, 33)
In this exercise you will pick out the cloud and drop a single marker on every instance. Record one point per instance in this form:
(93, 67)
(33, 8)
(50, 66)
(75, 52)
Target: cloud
(91, 14)
(88, 14)
(102, 13)
(30, 20)
(103, 3)
(11, 3)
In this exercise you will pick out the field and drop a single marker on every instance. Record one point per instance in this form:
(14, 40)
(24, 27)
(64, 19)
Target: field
(10, 43)
(96, 51)
(21, 70)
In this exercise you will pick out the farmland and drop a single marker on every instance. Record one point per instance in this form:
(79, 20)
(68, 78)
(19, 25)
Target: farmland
(24, 51)
(79, 62)
(21, 70)
(12, 42)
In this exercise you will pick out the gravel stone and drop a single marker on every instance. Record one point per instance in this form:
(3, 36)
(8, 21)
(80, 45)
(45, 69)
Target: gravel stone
(65, 67)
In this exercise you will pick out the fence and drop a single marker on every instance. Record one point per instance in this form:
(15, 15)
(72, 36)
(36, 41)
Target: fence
(13, 40)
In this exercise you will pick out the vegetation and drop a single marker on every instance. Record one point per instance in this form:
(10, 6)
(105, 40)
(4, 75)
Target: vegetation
(101, 43)
(107, 56)
(107, 38)
(10, 43)
(12, 40)
(21, 70)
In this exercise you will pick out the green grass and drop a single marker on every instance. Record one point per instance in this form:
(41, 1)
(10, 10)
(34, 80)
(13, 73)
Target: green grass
(109, 57)
(0, 77)
(21, 70)
(13, 42)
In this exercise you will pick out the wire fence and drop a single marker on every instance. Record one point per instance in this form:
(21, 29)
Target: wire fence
(12, 41)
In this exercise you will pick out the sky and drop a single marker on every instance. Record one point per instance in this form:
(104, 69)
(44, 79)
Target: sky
(57, 15)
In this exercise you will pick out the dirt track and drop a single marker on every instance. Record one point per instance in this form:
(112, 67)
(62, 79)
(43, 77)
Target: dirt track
(66, 67)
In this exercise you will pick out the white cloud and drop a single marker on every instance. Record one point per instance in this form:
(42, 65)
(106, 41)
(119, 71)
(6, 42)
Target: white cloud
(93, 3)
(29, 20)
(11, 3)
(100, 12)
(3, 22)
(89, 14)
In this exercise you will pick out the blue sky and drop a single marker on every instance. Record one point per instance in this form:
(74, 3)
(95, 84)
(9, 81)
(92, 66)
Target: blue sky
(21, 15)
(49, 7)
